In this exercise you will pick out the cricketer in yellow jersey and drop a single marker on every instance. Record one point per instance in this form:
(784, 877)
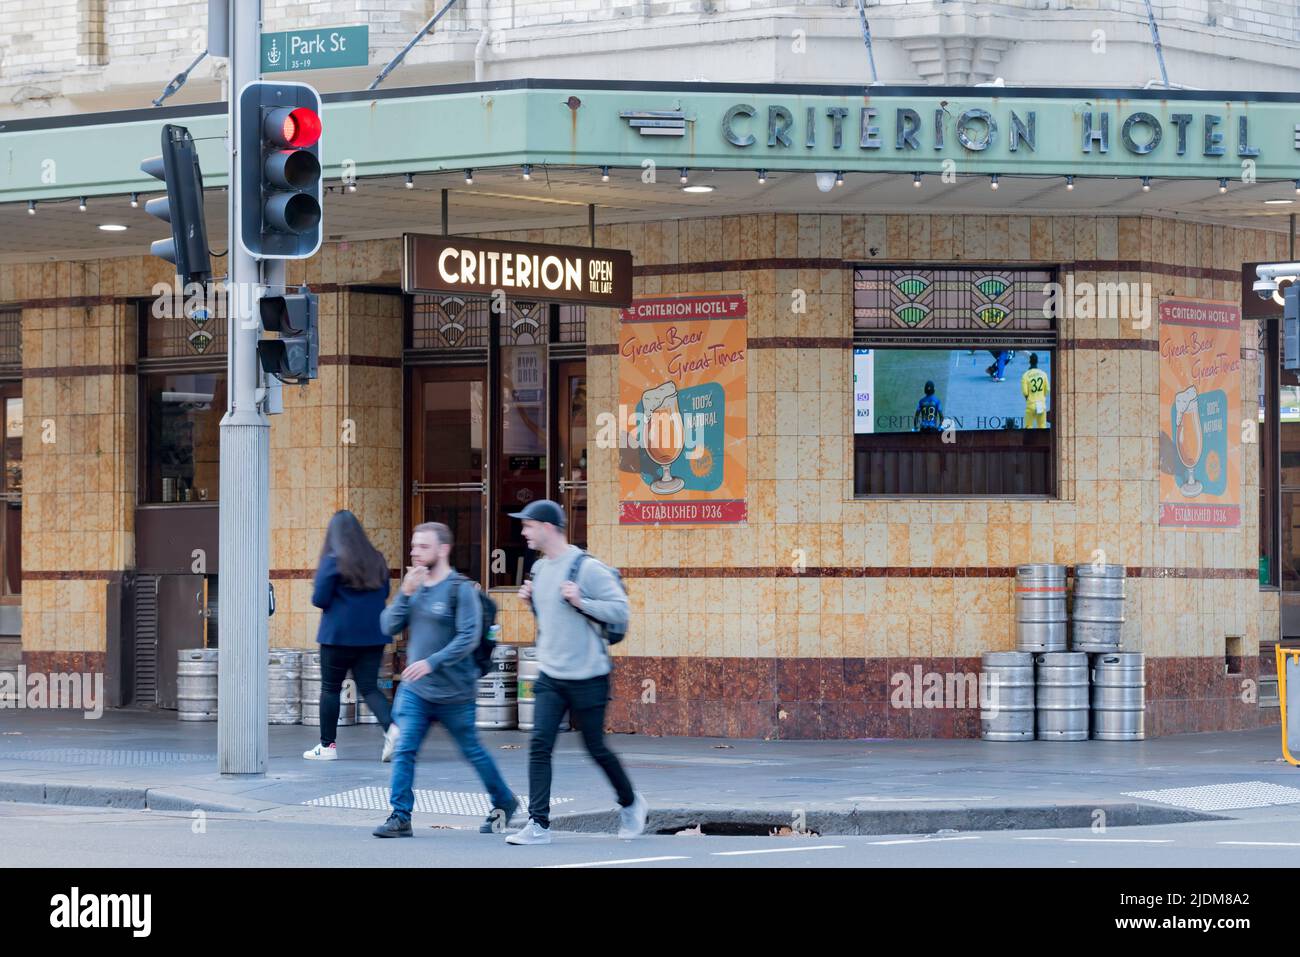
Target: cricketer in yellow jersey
(1036, 387)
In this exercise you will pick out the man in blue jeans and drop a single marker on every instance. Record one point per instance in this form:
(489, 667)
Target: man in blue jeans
(440, 608)
(574, 664)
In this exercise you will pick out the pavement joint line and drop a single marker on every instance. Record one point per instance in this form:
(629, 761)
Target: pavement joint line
(778, 850)
(1262, 843)
(628, 860)
(929, 840)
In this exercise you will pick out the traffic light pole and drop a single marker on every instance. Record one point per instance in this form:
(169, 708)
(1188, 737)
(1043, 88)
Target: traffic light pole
(242, 737)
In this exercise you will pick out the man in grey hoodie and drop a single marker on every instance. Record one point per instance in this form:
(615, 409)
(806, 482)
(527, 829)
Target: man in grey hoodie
(574, 664)
(443, 613)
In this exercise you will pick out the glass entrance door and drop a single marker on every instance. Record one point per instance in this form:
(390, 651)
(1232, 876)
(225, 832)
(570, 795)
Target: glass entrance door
(571, 446)
(449, 458)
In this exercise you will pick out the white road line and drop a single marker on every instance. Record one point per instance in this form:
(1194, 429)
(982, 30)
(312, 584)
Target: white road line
(628, 860)
(929, 840)
(1100, 840)
(1263, 843)
(779, 850)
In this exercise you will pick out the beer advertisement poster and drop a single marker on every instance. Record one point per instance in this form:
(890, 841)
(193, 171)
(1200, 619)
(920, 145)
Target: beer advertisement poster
(1200, 414)
(683, 407)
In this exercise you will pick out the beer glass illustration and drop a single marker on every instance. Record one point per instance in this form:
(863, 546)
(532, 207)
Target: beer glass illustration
(1189, 441)
(664, 437)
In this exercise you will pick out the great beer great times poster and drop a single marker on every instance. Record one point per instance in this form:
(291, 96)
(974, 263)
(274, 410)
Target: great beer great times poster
(682, 410)
(1200, 413)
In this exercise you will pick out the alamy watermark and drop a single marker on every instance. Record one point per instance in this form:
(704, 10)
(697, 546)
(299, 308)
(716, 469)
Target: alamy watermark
(945, 689)
(67, 690)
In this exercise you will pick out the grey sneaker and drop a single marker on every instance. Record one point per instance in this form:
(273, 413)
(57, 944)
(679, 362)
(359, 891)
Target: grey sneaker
(631, 819)
(530, 833)
(395, 826)
(390, 742)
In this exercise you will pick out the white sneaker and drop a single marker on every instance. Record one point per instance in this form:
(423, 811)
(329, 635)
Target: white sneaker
(631, 819)
(322, 753)
(530, 833)
(391, 737)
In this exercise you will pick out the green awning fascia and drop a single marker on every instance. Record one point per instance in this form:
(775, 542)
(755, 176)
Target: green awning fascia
(483, 126)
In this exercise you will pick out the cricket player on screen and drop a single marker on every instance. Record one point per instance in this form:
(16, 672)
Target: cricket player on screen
(1035, 387)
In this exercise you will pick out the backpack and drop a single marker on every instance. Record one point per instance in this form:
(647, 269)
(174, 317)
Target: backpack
(612, 633)
(486, 642)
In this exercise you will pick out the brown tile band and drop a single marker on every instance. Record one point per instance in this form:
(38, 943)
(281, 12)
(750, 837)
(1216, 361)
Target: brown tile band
(768, 342)
(51, 372)
(307, 574)
(68, 302)
(802, 342)
(736, 265)
(1082, 265)
(1112, 345)
(383, 362)
(71, 575)
(900, 571)
(1159, 269)
(81, 302)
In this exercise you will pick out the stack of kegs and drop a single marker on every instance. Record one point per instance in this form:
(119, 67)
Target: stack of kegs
(1007, 690)
(529, 672)
(284, 686)
(364, 714)
(1118, 696)
(1043, 691)
(1098, 608)
(311, 688)
(498, 690)
(196, 684)
(1061, 696)
(1040, 608)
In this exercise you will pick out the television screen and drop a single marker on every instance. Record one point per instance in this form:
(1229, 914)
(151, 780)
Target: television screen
(966, 390)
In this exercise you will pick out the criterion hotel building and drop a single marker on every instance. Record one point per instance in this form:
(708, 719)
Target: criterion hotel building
(532, 273)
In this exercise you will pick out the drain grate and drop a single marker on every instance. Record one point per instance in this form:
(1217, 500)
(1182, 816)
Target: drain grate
(1223, 797)
(117, 757)
(467, 803)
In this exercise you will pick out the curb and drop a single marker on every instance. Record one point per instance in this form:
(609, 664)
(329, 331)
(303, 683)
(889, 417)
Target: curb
(874, 821)
(128, 798)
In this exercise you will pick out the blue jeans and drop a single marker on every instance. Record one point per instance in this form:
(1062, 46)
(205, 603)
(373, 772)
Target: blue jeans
(413, 716)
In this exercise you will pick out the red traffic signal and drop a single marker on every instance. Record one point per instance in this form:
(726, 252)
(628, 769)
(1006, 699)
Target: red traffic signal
(280, 173)
(298, 127)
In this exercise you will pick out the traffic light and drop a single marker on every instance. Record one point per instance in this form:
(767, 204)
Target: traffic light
(1291, 327)
(280, 170)
(294, 317)
(178, 167)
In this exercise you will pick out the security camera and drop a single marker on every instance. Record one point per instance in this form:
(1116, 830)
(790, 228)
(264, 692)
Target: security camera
(825, 182)
(1264, 288)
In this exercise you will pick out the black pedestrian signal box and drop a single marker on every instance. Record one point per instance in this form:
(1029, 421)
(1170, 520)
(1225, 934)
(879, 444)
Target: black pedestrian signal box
(280, 185)
(295, 355)
(182, 207)
(1291, 327)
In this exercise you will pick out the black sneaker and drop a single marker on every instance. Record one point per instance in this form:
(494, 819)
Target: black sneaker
(498, 820)
(395, 826)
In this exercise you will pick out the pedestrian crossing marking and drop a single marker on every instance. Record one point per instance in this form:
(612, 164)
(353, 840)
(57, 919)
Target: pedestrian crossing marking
(374, 798)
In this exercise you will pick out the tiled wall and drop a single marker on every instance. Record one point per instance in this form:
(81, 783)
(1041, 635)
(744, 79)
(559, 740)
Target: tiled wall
(338, 444)
(924, 581)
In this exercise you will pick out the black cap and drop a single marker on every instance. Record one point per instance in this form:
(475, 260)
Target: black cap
(542, 510)
(929, 388)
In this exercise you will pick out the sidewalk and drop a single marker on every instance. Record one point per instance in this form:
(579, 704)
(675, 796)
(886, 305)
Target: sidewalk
(138, 759)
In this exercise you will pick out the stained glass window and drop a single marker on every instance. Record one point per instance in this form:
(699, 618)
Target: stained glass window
(968, 298)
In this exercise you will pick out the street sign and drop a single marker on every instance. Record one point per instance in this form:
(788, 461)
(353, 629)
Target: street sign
(321, 49)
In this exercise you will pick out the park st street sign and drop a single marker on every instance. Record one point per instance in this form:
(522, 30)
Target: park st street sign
(322, 49)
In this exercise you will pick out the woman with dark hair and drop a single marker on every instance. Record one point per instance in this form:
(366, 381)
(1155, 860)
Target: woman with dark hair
(351, 589)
